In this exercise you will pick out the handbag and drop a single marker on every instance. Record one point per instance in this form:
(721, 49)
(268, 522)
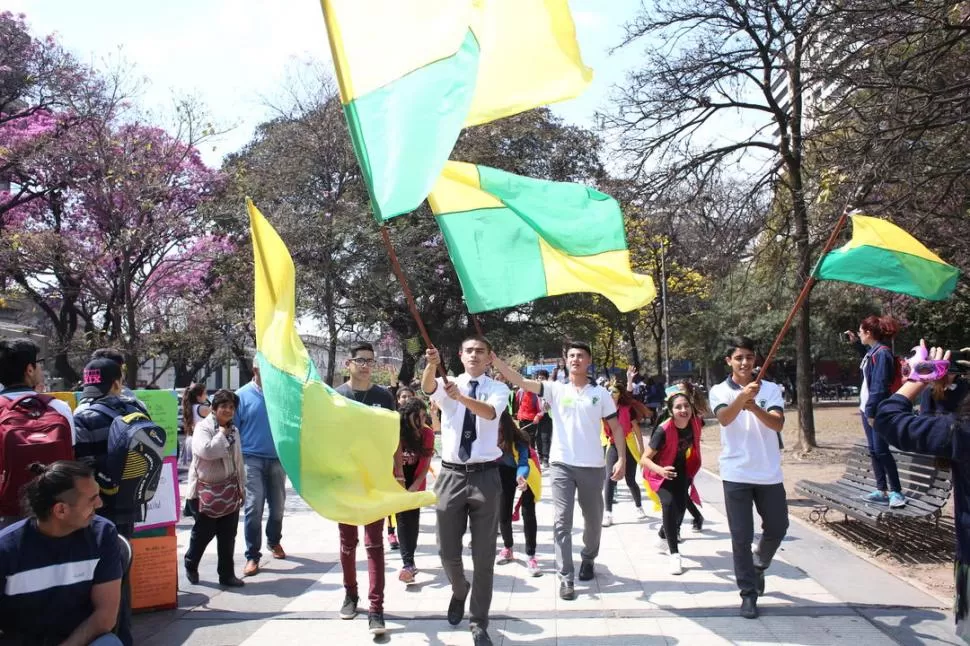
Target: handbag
(218, 499)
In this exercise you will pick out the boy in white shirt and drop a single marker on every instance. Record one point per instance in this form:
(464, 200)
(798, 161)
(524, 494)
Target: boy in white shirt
(578, 410)
(751, 414)
(468, 484)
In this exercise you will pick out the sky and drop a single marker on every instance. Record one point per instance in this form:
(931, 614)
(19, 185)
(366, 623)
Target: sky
(233, 55)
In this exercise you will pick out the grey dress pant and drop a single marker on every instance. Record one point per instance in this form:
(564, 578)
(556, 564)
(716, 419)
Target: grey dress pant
(568, 483)
(469, 499)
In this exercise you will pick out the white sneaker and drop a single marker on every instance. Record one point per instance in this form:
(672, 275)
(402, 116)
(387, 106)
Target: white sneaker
(641, 514)
(607, 519)
(676, 565)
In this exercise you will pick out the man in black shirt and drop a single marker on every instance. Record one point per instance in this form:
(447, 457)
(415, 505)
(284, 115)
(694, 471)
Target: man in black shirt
(361, 389)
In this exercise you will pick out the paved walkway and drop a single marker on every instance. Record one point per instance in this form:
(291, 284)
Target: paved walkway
(817, 593)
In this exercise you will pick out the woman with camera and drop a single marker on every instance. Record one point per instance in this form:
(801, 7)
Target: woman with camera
(878, 371)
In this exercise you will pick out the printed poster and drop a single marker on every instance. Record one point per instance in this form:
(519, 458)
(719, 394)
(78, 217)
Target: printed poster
(163, 508)
(154, 572)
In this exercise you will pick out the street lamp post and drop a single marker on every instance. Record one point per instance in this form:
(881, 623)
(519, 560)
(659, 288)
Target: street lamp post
(663, 301)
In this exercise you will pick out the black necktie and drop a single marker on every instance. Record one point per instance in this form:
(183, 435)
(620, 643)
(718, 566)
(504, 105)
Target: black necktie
(468, 433)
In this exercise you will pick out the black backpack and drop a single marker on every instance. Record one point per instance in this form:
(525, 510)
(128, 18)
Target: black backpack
(136, 451)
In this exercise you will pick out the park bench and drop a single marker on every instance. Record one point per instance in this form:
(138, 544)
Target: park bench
(925, 483)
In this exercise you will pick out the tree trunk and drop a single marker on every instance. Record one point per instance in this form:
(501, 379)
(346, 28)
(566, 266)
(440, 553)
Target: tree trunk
(64, 370)
(631, 338)
(131, 367)
(803, 343)
(408, 364)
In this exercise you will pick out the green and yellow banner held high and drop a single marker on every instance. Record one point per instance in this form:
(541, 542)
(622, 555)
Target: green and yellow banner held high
(413, 73)
(514, 239)
(338, 454)
(882, 255)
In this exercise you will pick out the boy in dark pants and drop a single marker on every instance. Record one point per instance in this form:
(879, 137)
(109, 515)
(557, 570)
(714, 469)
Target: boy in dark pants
(751, 415)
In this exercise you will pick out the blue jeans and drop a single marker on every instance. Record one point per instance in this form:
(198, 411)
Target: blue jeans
(883, 462)
(265, 483)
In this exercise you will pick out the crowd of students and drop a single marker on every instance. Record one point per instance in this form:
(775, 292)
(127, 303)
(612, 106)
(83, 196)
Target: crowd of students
(496, 446)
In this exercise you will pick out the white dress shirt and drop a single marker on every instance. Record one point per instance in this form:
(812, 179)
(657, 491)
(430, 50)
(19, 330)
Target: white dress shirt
(485, 447)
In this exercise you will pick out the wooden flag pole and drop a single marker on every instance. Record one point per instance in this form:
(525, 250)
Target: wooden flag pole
(809, 284)
(477, 324)
(412, 305)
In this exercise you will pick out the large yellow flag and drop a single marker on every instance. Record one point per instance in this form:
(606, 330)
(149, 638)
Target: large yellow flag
(412, 73)
(338, 454)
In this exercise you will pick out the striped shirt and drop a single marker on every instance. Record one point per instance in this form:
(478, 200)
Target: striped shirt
(39, 573)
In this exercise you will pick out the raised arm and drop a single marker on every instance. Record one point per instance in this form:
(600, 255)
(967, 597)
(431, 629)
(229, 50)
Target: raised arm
(514, 377)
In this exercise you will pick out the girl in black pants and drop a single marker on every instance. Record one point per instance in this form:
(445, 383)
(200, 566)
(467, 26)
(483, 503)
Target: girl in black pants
(416, 449)
(629, 414)
(515, 470)
(673, 458)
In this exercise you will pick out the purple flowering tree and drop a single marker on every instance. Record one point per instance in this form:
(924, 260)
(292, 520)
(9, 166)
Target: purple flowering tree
(117, 239)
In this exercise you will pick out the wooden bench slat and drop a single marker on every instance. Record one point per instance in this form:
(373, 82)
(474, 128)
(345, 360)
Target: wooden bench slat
(927, 487)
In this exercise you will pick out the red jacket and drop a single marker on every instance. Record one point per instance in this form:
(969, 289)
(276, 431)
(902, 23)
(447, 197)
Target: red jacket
(666, 456)
(528, 406)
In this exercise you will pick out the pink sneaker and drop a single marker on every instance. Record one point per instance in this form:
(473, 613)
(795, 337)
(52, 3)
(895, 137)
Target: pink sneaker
(534, 567)
(505, 555)
(406, 575)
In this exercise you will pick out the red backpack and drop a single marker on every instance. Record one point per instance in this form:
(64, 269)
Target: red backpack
(898, 363)
(31, 430)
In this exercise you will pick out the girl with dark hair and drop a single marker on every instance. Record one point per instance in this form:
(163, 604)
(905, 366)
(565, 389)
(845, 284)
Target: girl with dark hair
(519, 472)
(416, 449)
(217, 487)
(673, 458)
(945, 436)
(630, 413)
(878, 371)
(195, 408)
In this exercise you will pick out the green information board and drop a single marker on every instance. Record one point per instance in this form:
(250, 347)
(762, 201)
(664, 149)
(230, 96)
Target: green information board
(162, 406)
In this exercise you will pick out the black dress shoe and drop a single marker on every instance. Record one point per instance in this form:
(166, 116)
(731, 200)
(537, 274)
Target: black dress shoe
(749, 607)
(192, 574)
(232, 582)
(456, 611)
(586, 571)
(567, 591)
(480, 637)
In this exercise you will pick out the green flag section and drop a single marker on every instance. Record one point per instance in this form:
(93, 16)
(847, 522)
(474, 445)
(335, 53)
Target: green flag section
(513, 239)
(412, 74)
(882, 255)
(338, 454)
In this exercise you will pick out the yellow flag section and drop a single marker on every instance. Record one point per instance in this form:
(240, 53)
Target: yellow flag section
(534, 479)
(413, 73)
(338, 454)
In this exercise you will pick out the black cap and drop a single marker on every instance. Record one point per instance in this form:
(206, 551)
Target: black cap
(99, 374)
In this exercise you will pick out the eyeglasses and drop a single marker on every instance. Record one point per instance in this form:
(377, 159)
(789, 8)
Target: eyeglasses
(361, 361)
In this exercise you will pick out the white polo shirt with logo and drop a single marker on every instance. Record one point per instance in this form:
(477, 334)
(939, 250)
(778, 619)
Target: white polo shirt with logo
(750, 452)
(577, 417)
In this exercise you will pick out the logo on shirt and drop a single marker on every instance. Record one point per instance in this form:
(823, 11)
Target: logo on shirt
(762, 402)
(595, 400)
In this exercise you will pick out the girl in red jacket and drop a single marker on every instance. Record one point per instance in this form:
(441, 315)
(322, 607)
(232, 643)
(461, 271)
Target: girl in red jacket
(673, 458)
(416, 450)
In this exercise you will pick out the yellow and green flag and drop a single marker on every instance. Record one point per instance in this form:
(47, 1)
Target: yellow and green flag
(338, 454)
(413, 73)
(514, 239)
(882, 255)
